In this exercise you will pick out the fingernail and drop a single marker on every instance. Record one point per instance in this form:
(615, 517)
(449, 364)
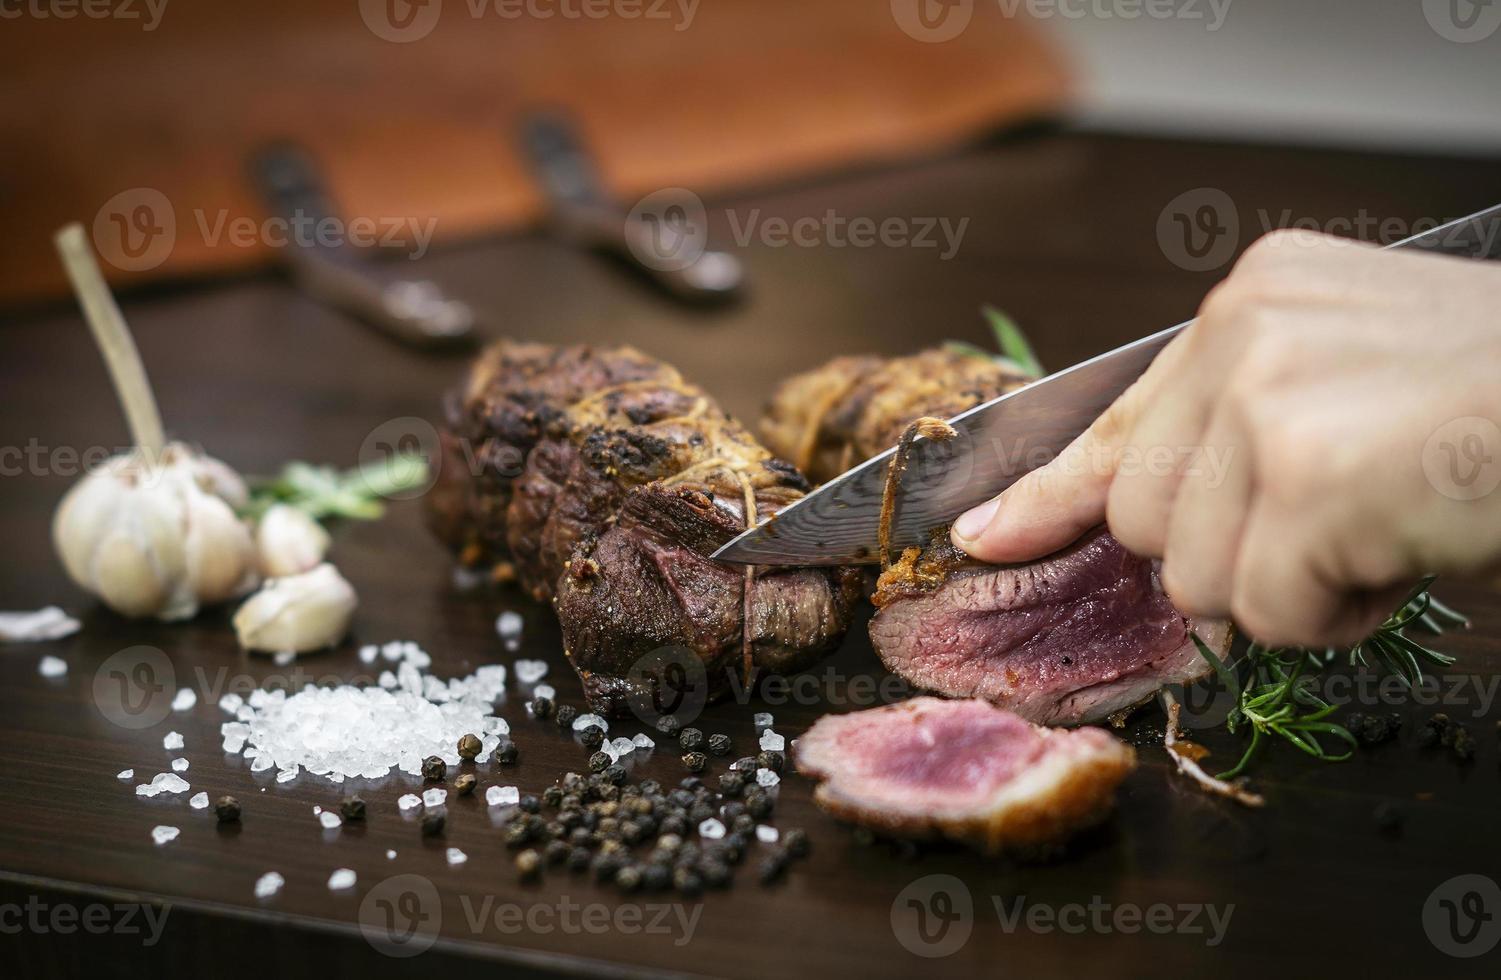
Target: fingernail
(972, 523)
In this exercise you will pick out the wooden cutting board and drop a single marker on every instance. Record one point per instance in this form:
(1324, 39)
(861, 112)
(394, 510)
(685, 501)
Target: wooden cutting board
(413, 109)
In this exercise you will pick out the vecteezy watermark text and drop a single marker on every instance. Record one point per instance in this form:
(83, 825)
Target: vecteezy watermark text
(404, 21)
(95, 918)
(148, 12)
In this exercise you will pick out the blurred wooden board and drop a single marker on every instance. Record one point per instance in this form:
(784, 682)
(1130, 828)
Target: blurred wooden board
(103, 117)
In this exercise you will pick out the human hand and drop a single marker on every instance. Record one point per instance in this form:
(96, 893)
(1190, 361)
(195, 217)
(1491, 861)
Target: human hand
(1324, 435)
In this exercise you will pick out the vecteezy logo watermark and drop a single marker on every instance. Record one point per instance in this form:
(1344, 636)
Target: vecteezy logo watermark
(133, 688)
(668, 229)
(403, 21)
(669, 681)
(96, 919)
(571, 918)
(1213, 12)
(148, 12)
(1106, 918)
(932, 21)
(933, 916)
(1198, 230)
(1462, 458)
(1463, 21)
(395, 444)
(401, 915)
(136, 229)
(833, 230)
(1206, 702)
(1462, 916)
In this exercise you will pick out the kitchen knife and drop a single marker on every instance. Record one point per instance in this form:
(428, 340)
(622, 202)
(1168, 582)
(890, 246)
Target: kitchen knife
(997, 443)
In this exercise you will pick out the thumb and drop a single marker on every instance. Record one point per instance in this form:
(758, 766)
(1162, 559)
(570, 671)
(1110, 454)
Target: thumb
(1053, 505)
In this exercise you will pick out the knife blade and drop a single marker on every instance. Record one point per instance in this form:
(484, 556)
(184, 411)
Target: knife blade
(997, 443)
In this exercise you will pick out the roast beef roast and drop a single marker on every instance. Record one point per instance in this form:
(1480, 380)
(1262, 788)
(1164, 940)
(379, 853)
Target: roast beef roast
(606, 464)
(964, 770)
(1079, 636)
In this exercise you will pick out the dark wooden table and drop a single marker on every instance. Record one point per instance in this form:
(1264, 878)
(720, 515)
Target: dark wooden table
(1062, 232)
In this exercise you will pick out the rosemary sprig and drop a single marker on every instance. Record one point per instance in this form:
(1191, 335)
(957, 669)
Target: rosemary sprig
(1009, 340)
(324, 492)
(1278, 696)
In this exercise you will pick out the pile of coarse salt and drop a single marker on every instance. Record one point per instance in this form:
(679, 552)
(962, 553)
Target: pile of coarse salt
(347, 731)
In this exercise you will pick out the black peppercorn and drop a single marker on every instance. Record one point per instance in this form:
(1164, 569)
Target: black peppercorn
(720, 744)
(743, 823)
(716, 874)
(505, 752)
(606, 866)
(656, 877)
(773, 866)
(628, 878)
(758, 803)
(1388, 818)
(469, 747)
(695, 761)
(565, 714)
(668, 725)
(796, 842)
(615, 774)
(732, 784)
(699, 812)
(434, 769)
(579, 858)
(687, 881)
(529, 865)
(433, 823)
(771, 760)
(529, 804)
(553, 796)
(518, 832)
(673, 825)
(592, 736)
(599, 762)
(464, 784)
(353, 808)
(556, 852)
(541, 707)
(747, 764)
(227, 809)
(650, 787)
(690, 739)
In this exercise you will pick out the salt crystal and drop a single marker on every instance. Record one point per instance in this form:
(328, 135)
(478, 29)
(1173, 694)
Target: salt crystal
(509, 624)
(329, 819)
(268, 884)
(163, 834)
(641, 741)
(766, 834)
(623, 746)
(184, 700)
(287, 775)
(502, 795)
(179, 765)
(125, 775)
(765, 777)
(317, 810)
(408, 802)
(172, 742)
(368, 653)
(261, 764)
(341, 879)
(386, 680)
(544, 691)
(772, 742)
(51, 666)
(434, 797)
(199, 801)
(711, 828)
(231, 703)
(284, 657)
(496, 726)
(456, 856)
(762, 721)
(584, 721)
(163, 782)
(530, 671)
(390, 855)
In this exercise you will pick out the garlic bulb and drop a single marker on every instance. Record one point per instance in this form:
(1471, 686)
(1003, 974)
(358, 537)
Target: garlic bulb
(157, 536)
(288, 542)
(297, 613)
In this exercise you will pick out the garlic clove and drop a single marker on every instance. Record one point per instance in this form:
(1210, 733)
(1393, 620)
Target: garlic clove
(219, 479)
(219, 553)
(297, 613)
(125, 576)
(288, 542)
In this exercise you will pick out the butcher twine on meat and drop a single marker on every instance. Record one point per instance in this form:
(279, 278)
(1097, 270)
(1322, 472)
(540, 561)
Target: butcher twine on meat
(601, 480)
(1078, 636)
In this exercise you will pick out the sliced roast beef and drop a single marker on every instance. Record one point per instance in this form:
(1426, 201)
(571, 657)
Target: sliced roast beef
(964, 770)
(605, 463)
(1079, 636)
